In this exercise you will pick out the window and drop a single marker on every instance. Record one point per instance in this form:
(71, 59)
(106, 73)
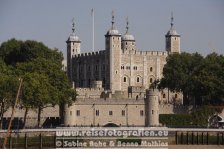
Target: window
(150, 80)
(77, 112)
(122, 67)
(175, 95)
(97, 112)
(152, 112)
(110, 113)
(135, 67)
(138, 80)
(150, 69)
(125, 79)
(128, 67)
(73, 50)
(164, 95)
(126, 43)
(70, 113)
(141, 113)
(123, 112)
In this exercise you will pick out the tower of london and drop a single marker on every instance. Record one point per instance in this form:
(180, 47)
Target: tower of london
(112, 84)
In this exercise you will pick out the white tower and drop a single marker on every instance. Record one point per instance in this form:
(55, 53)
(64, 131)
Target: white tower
(152, 108)
(73, 48)
(172, 39)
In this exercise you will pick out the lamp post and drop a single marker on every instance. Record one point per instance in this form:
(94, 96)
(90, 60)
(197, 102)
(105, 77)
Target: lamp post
(12, 115)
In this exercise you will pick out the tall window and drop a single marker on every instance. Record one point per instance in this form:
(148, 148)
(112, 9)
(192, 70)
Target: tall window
(97, 112)
(150, 69)
(70, 113)
(77, 112)
(125, 79)
(141, 113)
(110, 113)
(150, 80)
(123, 112)
(138, 80)
(175, 95)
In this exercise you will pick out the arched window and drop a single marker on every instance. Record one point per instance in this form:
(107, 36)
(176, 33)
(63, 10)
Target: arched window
(164, 95)
(138, 80)
(125, 79)
(150, 69)
(175, 95)
(150, 80)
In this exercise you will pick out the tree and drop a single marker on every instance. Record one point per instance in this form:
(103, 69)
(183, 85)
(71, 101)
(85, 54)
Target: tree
(198, 78)
(44, 82)
(212, 79)
(179, 74)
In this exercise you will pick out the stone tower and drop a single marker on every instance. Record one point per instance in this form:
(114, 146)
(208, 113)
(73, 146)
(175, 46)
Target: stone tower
(152, 108)
(172, 40)
(128, 40)
(73, 48)
(113, 58)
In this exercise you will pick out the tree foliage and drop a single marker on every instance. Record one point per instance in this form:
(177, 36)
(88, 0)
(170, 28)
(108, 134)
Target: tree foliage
(44, 82)
(199, 78)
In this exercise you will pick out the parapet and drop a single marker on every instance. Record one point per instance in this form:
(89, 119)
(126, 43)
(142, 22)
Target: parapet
(149, 53)
(89, 92)
(96, 53)
(134, 89)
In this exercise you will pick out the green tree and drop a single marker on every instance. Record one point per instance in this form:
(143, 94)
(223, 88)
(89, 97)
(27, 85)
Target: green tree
(179, 74)
(44, 82)
(212, 79)
(8, 88)
(199, 79)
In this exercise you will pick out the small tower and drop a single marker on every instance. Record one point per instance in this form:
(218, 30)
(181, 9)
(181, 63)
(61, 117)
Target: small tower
(152, 108)
(172, 39)
(73, 48)
(128, 40)
(113, 58)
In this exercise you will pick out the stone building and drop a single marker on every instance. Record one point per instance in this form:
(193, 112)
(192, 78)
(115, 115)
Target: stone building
(110, 81)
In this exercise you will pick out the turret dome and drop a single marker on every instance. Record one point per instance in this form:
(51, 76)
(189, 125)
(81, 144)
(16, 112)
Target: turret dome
(128, 37)
(172, 32)
(73, 37)
(112, 32)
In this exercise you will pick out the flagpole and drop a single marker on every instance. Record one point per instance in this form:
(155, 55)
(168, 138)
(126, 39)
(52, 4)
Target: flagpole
(93, 29)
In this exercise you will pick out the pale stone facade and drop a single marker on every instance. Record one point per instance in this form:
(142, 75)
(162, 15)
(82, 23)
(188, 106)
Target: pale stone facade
(121, 112)
(114, 80)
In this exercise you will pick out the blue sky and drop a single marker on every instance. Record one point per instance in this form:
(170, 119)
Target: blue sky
(200, 22)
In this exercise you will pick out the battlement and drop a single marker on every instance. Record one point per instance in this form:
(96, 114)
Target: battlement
(133, 89)
(89, 92)
(150, 53)
(96, 53)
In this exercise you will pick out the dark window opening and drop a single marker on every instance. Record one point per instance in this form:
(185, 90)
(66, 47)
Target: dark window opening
(110, 113)
(97, 112)
(125, 79)
(123, 112)
(77, 112)
(141, 113)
